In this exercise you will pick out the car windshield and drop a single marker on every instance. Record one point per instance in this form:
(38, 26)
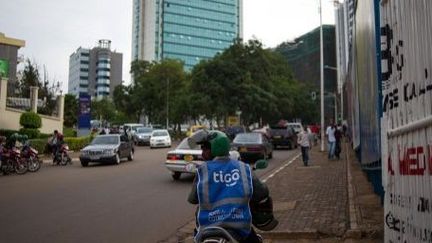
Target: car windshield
(105, 140)
(144, 130)
(135, 128)
(247, 138)
(185, 145)
(159, 134)
(295, 127)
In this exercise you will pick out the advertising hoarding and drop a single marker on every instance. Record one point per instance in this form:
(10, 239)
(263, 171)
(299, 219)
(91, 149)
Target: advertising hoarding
(407, 120)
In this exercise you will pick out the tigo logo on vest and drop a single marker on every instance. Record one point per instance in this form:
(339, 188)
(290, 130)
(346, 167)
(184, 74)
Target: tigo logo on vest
(230, 179)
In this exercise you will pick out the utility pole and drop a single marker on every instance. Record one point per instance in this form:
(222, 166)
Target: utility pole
(322, 78)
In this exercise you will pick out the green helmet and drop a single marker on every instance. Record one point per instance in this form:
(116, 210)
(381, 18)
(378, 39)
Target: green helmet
(220, 143)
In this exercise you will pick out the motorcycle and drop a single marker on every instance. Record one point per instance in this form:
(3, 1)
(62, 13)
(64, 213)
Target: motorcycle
(61, 157)
(12, 162)
(216, 234)
(31, 156)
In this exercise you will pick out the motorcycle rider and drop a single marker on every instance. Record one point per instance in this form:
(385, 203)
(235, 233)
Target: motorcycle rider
(56, 142)
(228, 193)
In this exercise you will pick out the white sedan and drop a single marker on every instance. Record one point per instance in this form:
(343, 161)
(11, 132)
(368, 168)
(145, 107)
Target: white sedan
(185, 159)
(160, 138)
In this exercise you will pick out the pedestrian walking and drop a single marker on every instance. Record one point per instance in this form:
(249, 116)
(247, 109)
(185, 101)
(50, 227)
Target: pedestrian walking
(331, 139)
(338, 137)
(304, 142)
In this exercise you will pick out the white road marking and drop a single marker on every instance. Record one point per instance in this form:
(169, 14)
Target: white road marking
(281, 168)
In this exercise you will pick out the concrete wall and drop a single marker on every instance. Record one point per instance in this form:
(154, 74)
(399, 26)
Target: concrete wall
(9, 117)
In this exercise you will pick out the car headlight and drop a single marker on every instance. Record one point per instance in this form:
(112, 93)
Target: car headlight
(110, 151)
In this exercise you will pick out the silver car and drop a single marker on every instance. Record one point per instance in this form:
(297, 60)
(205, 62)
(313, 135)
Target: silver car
(142, 135)
(107, 149)
(183, 159)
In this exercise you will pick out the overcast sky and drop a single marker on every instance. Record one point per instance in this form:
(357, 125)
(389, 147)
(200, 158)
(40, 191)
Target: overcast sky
(54, 29)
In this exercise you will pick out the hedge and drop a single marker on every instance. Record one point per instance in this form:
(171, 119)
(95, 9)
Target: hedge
(30, 132)
(7, 133)
(30, 120)
(75, 144)
(69, 132)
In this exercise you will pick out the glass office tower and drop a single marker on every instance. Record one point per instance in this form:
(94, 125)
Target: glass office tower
(189, 30)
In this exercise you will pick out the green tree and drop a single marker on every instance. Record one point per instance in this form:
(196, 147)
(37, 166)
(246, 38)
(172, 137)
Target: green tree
(103, 110)
(160, 88)
(47, 90)
(70, 110)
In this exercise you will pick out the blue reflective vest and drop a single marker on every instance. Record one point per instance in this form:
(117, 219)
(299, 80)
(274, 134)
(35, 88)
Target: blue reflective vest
(224, 189)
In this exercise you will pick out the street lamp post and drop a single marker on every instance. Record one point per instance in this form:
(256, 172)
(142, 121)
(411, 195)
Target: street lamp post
(322, 77)
(167, 105)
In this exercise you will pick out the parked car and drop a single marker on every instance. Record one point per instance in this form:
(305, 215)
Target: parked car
(142, 135)
(107, 149)
(283, 136)
(160, 138)
(178, 159)
(252, 147)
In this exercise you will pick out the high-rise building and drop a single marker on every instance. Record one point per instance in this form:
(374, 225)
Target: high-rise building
(96, 71)
(189, 30)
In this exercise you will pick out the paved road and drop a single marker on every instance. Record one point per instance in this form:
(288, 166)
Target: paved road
(132, 202)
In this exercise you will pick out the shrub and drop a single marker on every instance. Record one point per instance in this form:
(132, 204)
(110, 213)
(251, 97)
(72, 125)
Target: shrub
(7, 133)
(30, 120)
(30, 132)
(76, 144)
(45, 135)
(69, 132)
(40, 145)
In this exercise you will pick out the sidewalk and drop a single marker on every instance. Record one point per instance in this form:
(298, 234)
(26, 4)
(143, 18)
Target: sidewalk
(328, 201)
(47, 158)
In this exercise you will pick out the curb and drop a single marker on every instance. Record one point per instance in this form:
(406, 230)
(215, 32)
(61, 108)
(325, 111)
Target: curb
(354, 231)
(50, 161)
(289, 235)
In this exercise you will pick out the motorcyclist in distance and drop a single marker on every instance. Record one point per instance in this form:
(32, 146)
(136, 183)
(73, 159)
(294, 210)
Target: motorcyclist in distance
(228, 192)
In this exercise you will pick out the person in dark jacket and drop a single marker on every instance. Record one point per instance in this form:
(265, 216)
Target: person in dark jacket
(223, 177)
(338, 136)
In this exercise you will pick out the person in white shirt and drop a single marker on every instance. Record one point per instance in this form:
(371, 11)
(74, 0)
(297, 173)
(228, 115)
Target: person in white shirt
(304, 142)
(330, 132)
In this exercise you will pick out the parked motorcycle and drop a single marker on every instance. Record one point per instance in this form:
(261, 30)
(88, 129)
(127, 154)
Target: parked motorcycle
(31, 156)
(61, 157)
(12, 162)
